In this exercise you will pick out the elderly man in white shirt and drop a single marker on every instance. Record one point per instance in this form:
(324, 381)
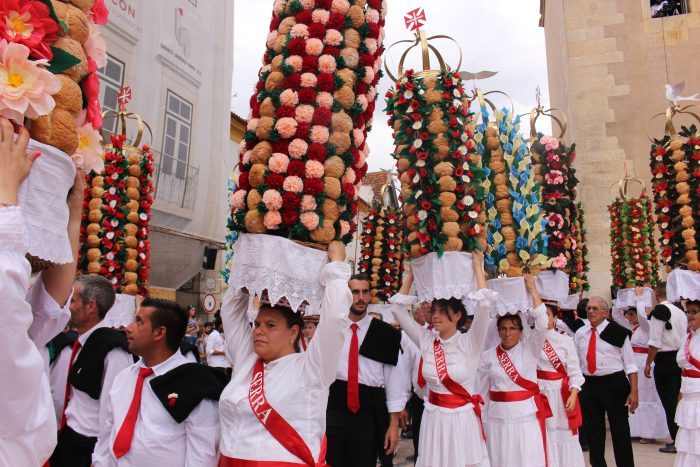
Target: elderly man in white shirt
(668, 327)
(610, 387)
(216, 348)
(162, 410)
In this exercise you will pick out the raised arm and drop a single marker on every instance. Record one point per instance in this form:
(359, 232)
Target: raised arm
(618, 315)
(235, 320)
(402, 303)
(484, 298)
(535, 340)
(324, 350)
(642, 310)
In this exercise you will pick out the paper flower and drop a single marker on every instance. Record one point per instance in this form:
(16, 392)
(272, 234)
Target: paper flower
(172, 399)
(28, 23)
(96, 46)
(88, 156)
(91, 91)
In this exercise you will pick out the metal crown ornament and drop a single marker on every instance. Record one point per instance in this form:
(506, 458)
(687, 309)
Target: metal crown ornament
(422, 41)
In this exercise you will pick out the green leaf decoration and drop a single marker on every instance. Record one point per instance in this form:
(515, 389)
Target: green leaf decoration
(61, 61)
(52, 14)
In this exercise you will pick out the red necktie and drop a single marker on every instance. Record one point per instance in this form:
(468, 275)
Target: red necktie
(421, 380)
(590, 356)
(353, 373)
(430, 327)
(66, 397)
(122, 443)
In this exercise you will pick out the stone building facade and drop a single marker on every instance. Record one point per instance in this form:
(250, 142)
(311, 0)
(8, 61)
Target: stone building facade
(608, 62)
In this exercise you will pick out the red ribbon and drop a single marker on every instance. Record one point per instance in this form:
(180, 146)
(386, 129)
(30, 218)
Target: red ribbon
(544, 411)
(454, 387)
(575, 418)
(688, 356)
(643, 350)
(277, 426)
(690, 373)
(231, 462)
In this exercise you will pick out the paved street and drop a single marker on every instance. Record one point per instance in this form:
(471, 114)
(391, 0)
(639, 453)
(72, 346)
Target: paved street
(645, 455)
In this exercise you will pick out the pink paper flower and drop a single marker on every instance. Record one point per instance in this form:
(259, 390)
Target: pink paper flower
(314, 47)
(372, 15)
(349, 176)
(272, 220)
(286, 127)
(238, 199)
(271, 38)
(272, 200)
(88, 155)
(293, 184)
(308, 80)
(344, 228)
(28, 23)
(289, 98)
(298, 148)
(333, 37)
(555, 220)
(362, 100)
(324, 99)
(295, 62)
(320, 16)
(252, 124)
(308, 203)
(309, 220)
(278, 163)
(340, 6)
(371, 45)
(99, 13)
(314, 169)
(550, 143)
(319, 134)
(245, 159)
(96, 46)
(559, 262)
(279, 6)
(299, 30)
(326, 64)
(369, 75)
(307, 4)
(554, 177)
(359, 136)
(25, 88)
(304, 113)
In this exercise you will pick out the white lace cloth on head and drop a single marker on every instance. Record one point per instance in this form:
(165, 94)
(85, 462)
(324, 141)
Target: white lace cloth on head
(512, 295)
(553, 285)
(570, 302)
(122, 312)
(383, 309)
(280, 266)
(42, 200)
(451, 275)
(683, 284)
(627, 298)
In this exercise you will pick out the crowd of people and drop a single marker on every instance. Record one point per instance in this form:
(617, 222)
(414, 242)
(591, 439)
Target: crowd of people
(482, 388)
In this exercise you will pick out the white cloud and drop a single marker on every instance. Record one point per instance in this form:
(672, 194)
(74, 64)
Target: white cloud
(498, 35)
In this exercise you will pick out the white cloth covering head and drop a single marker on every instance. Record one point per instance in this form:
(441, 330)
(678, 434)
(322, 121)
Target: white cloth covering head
(122, 312)
(383, 309)
(683, 284)
(570, 302)
(42, 200)
(627, 298)
(451, 275)
(281, 267)
(512, 295)
(553, 285)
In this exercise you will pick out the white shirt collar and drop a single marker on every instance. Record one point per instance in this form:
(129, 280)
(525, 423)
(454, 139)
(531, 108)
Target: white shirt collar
(84, 336)
(364, 323)
(174, 361)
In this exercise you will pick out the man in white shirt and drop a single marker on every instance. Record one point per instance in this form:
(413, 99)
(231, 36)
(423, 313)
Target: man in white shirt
(216, 349)
(607, 363)
(162, 410)
(366, 398)
(667, 329)
(95, 359)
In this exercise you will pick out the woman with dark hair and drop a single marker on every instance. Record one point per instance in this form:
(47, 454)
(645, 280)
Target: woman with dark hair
(688, 410)
(451, 433)
(273, 412)
(516, 433)
(560, 379)
(648, 422)
(192, 326)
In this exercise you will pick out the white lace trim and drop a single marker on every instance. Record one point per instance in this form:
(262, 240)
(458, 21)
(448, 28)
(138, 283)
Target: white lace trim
(122, 312)
(280, 266)
(683, 284)
(451, 275)
(553, 285)
(627, 298)
(48, 246)
(512, 295)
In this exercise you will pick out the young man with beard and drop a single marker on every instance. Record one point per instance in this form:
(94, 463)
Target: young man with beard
(365, 400)
(163, 409)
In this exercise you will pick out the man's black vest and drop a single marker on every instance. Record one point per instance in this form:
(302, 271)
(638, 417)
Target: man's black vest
(87, 371)
(382, 343)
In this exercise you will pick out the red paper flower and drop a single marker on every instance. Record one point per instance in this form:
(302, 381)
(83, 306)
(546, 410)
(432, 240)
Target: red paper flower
(28, 23)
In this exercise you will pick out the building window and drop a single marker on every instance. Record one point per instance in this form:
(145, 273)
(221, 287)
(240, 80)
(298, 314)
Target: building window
(176, 137)
(111, 80)
(662, 8)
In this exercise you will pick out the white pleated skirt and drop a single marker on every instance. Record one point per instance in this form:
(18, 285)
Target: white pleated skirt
(517, 441)
(451, 437)
(688, 437)
(649, 420)
(565, 445)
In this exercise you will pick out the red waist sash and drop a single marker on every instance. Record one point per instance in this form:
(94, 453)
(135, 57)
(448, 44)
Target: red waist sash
(549, 375)
(690, 373)
(231, 462)
(640, 349)
(574, 418)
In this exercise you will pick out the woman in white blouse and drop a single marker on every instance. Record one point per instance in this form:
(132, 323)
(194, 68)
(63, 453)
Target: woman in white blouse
(560, 379)
(516, 432)
(274, 409)
(688, 411)
(451, 432)
(648, 422)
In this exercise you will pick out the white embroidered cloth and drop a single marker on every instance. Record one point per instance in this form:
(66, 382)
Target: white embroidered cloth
(570, 302)
(627, 298)
(122, 312)
(451, 275)
(383, 309)
(42, 200)
(280, 266)
(553, 285)
(512, 295)
(683, 284)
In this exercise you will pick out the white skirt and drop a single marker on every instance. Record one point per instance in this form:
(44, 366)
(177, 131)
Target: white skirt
(564, 443)
(688, 437)
(518, 441)
(451, 437)
(649, 420)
